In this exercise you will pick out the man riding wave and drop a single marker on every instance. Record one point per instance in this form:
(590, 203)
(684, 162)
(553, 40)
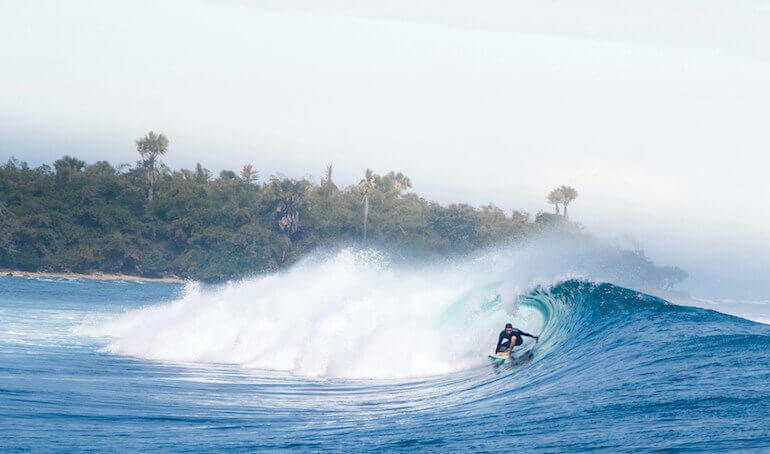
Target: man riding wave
(509, 338)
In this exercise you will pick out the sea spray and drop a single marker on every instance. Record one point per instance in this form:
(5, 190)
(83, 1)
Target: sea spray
(351, 314)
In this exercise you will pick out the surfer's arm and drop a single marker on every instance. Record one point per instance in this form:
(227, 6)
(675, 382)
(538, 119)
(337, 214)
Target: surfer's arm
(529, 335)
(499, 342)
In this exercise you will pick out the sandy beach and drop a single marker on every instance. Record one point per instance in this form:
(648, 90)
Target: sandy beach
(95, 276)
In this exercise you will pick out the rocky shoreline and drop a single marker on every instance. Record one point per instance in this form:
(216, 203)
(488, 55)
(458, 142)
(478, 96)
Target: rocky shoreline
(94, 276)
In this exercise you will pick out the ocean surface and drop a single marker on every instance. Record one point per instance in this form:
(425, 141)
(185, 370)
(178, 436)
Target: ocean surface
(339, 356)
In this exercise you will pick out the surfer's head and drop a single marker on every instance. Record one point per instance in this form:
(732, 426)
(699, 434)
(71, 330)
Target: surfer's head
(508, 327)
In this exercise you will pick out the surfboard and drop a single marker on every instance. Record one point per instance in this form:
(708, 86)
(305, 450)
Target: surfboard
(499, 359)
(524, 358)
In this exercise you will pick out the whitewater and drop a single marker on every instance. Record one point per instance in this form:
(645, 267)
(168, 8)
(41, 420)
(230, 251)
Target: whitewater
(349, 315)
(350, 350)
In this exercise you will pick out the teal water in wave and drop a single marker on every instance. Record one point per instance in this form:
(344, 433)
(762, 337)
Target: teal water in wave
(616, 371)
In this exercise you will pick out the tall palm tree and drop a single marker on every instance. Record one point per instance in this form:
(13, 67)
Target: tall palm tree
(249, 175)
(150, 147)
(326, 181)
(569, 194)
(555, 197)
(366, 186)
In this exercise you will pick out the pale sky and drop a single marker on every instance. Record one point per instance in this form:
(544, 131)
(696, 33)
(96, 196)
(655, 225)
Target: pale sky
(658, 113)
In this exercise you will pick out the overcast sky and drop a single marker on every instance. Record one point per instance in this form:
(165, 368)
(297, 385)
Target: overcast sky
(658, 113)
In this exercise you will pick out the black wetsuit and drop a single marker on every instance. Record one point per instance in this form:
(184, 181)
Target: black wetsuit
(504, 341)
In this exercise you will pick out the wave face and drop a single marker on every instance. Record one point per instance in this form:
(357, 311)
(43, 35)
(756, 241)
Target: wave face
(347, 352)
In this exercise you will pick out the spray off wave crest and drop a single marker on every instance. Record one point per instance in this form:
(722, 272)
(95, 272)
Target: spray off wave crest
(349, 315)
(353, 314)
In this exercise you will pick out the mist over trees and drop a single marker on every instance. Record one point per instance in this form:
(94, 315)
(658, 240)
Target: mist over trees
(149, 220)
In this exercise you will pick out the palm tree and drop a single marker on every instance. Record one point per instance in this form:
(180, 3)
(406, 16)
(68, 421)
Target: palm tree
(569, 194)
(150, 147)
(556, 197)
(398, 182)
(249, 175)
(366, 186)
(288, 197)
(326, 181)
(202, 174)
(392, 183)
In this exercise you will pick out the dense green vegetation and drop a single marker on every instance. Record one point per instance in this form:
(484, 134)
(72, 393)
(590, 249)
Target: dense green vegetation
(85, 218)
(151, 221)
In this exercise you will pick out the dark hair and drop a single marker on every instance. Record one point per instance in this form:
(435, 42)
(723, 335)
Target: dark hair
(508, 325)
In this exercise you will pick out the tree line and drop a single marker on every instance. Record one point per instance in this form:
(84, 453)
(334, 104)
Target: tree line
(150, 220)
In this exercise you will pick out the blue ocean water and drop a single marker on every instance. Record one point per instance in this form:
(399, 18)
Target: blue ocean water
(615, 370)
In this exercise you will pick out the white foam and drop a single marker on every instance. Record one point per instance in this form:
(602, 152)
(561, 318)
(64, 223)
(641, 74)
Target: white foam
(348, 315)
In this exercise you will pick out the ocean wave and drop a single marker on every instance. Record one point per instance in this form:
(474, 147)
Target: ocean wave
(352, 314)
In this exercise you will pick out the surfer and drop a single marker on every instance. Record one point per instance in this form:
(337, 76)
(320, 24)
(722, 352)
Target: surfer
(509, 338)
